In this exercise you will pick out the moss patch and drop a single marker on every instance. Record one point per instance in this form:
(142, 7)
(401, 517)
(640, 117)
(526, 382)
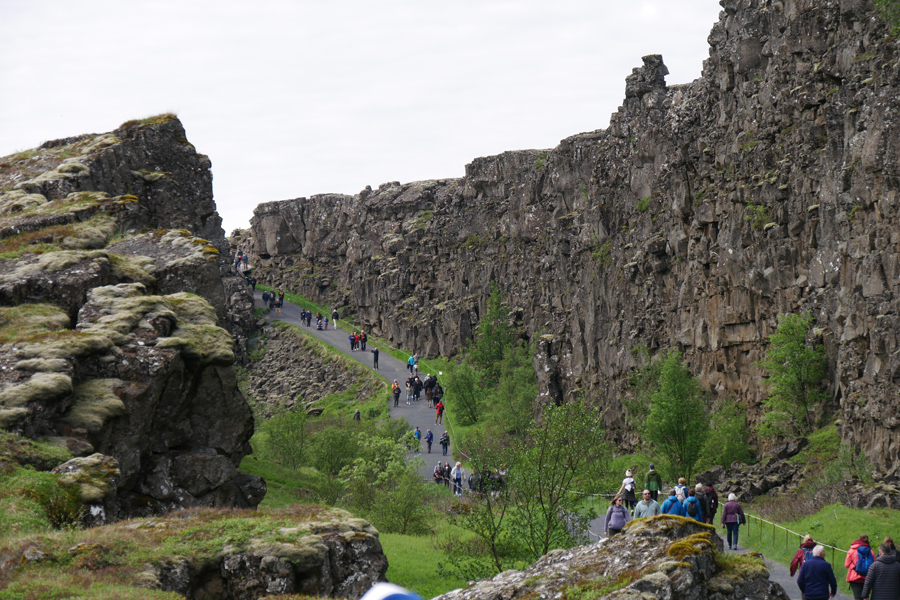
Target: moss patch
(94, 402)
(196, 332)
(26, 321)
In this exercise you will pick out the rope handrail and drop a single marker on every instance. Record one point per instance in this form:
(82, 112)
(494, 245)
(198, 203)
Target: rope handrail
(800, 535)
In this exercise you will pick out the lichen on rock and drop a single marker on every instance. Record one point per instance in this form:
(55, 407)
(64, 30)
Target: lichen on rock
(638, 563)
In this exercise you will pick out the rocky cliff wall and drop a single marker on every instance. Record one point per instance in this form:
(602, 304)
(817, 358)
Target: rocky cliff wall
(768, 185)
(111, 314)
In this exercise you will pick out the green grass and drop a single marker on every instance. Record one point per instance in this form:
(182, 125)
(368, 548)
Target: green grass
(824, 445)
(284, 486)
(413, 562)
(835, 525)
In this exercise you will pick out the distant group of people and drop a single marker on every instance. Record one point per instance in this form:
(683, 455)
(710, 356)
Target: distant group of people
(274, 301)
(434, 394)
(357, 339)
(700, 502)
(241, 262)
(486, 481)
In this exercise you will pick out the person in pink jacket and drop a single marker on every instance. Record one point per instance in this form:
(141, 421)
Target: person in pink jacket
(854, 578)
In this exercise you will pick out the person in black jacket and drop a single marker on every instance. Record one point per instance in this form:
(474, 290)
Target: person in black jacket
(883, 578)
(816, 580)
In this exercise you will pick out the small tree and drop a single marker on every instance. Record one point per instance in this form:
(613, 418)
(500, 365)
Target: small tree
(332, 449)
(465, 393)
(387, 489)
(486, 515)
(728, 439)
(511, 403)
(559, 447)
(285, 437)
(494, 336)
(795, 371)
(677, 423)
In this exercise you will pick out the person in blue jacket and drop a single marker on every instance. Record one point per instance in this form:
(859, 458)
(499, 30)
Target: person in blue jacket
(816, 578)
(672, 506)
(692, 507)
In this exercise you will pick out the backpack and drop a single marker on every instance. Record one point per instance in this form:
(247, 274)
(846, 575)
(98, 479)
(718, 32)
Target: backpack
(807, 554)
(863, 560)
(679, 493)
(692, 509)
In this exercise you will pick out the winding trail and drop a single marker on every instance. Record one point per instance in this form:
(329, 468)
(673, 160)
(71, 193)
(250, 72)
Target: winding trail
(416, 414)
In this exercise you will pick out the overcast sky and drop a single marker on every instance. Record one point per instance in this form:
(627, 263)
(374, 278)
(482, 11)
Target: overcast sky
(292, 98)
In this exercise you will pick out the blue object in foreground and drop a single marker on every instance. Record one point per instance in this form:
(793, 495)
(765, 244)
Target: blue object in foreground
(389, 591)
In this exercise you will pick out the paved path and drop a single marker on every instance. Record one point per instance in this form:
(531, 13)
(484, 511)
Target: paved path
(777, 572)
(416, 414)
(782, 574)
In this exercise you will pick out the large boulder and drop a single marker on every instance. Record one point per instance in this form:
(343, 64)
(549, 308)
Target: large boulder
(665, 557)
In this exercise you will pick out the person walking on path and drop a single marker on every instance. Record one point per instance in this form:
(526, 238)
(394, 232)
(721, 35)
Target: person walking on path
(410, 363)
(628, 486)
(713, 498)
(445, 441)
(692, 506)
(883, 578)
(803, 553)
(429, 437)
(616, 517)
(857, 564)
(457, 476)
(732, 519)
(647, 507)
(418, 435)
(816, 578)
(363, 338)
(653, 482)
(703, 500)
(672, 506)
(334, 316)
(375, 357)
(439, 413)
(395, 391)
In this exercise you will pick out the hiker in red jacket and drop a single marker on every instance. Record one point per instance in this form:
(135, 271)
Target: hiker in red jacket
(803, 552)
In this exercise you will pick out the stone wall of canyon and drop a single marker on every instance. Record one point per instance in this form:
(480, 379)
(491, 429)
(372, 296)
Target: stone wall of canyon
(769, 185)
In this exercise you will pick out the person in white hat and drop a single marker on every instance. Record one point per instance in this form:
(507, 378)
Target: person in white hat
(627, 490)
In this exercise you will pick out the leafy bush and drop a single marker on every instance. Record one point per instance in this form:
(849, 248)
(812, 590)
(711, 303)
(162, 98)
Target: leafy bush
(795, 372)
(728, 439)
(285, 437)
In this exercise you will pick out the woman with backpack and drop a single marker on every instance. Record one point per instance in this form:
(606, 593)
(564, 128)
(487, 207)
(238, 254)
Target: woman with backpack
(803, 552)
(858, 561)
(628, 487)
(616, 517)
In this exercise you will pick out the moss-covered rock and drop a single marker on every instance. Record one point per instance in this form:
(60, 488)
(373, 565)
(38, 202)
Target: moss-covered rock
(638, 563)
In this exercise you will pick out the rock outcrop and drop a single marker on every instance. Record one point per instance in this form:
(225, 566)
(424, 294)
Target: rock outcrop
(112, 308)
(295, 370)
(769, 185)
(662, 557)
(208, 553)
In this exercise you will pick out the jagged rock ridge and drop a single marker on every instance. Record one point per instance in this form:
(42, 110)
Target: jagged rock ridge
(114, 290)
(768, 185)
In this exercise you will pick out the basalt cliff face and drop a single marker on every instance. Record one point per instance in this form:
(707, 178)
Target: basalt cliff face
(114, 291)
(768, 185)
